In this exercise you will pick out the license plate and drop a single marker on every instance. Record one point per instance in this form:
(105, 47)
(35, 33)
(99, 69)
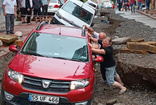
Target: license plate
(43, 98)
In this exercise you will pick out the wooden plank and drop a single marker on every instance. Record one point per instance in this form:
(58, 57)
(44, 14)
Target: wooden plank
(137, 40)
(133, 51)
(145, 46)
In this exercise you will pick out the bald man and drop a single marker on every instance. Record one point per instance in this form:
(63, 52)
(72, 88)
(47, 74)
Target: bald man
(100, 35)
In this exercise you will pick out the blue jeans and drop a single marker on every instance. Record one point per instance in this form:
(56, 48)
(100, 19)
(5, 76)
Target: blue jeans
(110, 75)
(133, 8)
(9, 23)
(140, 6)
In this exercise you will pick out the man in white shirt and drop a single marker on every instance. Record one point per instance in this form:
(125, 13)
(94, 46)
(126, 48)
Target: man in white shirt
(100, 35)
(9, 11)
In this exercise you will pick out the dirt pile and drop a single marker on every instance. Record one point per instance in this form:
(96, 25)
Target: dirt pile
(137, 71)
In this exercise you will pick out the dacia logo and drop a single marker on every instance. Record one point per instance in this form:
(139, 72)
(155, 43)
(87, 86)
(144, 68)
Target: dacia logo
(45, 83)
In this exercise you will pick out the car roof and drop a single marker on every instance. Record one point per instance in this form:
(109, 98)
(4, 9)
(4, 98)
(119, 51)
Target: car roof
(61, 30)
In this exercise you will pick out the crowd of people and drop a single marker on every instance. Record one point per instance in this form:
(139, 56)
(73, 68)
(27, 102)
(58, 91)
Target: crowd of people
(133, 3)
(102, 45)
(26, 8)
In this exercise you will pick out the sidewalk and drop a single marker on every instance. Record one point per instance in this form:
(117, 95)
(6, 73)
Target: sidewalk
(151, 13)
(24, 28)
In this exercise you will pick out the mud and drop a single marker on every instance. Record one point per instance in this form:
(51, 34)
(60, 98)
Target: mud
(136, 71)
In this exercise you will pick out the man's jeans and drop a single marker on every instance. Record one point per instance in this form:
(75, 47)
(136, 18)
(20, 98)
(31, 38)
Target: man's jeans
(140, 6)
(9, 23)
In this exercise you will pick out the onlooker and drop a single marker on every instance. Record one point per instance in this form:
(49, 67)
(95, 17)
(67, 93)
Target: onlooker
(37, 4)
(9, 11)
(148, 5)
(132, 3)
(23, 10)
(29, 5)
(119, 4)
(45, 9)
(109, 64)
(140, 5)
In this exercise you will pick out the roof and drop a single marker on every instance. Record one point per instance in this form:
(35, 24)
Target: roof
(61, 30)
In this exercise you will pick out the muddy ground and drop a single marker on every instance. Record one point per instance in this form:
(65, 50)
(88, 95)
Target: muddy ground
(138, 92)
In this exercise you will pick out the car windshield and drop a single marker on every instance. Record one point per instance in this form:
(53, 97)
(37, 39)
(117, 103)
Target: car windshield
(57, 46)
(78, 12)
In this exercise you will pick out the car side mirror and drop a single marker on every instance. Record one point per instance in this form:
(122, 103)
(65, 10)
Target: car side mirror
(98, 59)
(13, 48)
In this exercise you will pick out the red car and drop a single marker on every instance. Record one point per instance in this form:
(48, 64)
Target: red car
(54, 66)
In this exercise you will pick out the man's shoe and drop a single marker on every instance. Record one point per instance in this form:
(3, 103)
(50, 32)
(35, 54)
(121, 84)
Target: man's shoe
(11, 32)
(7, 33)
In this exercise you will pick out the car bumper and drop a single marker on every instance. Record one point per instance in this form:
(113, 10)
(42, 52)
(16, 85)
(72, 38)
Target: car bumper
(21, 94)
(22, 99)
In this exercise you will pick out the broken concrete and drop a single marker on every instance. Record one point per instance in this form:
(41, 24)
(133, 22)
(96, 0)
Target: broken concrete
(8, 38)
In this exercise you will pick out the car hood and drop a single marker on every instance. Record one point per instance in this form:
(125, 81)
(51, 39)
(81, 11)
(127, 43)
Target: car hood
(49, 67)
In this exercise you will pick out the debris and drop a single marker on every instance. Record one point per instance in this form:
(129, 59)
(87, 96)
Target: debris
(1, 43)
(8, 38)
(111, 101)
(18, 33)
(123, 40)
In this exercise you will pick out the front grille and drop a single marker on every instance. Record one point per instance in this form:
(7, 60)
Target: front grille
(57, 86)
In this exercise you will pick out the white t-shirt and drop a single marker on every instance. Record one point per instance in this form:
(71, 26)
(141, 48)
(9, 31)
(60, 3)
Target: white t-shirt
(23, 3)
(10, 6)
(96, 35)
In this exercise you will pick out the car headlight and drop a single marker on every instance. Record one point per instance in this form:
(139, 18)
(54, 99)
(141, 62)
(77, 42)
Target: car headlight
(15, 76)
(78, 84)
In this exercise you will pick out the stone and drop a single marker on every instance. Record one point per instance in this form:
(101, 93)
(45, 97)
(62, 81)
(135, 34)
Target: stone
(18, 33)
(123, 40)
(1, 43)
(111, 101)
(8, 38)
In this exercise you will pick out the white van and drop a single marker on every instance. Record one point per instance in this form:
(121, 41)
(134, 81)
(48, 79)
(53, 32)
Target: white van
(74, 13)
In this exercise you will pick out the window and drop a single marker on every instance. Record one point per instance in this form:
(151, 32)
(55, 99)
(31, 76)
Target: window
(78, 12)
(56, 46)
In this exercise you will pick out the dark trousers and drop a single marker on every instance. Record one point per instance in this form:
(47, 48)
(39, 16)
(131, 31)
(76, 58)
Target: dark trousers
(29, 16)
(45, 10)
(9, 23)
(148, 6)
(120, 6)
(103, 71)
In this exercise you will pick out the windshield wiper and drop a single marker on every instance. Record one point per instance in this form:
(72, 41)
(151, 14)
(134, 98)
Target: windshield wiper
(32, 53)
(61, 58)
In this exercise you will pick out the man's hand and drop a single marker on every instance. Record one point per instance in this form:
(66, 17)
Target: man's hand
(15, 15)
(90, 45)
(4, 13)
(28, 9)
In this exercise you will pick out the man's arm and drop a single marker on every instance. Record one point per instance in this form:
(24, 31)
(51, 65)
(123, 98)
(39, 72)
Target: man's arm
(98, 51)
(91, 31)
(3, 6)
(15, 8)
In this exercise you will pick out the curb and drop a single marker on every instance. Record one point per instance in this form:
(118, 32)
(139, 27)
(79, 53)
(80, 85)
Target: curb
(153, 17)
